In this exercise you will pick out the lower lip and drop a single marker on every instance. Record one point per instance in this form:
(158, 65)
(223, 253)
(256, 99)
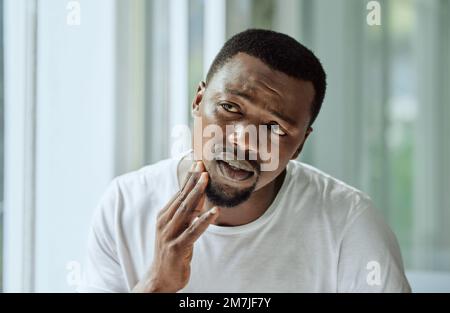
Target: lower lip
(232, 174)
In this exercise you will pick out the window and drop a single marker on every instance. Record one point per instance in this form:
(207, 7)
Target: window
(383, 124)
(1, 145)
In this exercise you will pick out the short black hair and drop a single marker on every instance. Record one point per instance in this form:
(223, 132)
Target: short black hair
(280, 52)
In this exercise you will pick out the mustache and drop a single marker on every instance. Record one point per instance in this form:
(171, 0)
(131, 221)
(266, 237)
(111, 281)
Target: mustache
(247, 159)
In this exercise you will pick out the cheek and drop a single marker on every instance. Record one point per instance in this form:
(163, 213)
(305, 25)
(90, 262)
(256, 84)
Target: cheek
(209, 112)
(208, 118)
(209, 168)
(290, 147)
(214, 128)
(276, 160)
(209, 133)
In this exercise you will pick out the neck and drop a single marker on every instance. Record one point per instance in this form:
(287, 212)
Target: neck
(246, 212)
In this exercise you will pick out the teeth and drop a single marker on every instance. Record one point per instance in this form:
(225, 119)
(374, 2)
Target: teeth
(239, 165)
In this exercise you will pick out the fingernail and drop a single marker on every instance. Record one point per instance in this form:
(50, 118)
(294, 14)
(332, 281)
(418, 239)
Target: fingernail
(198, 166)
(213, 210)
(193, 167)
(202, 177)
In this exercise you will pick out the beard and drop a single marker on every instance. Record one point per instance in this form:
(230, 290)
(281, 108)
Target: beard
(224, 195)
(227, 197)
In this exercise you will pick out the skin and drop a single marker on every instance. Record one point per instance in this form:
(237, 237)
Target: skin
(244, 91)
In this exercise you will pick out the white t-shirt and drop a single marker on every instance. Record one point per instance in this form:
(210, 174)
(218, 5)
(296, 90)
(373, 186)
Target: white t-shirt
(319, 235)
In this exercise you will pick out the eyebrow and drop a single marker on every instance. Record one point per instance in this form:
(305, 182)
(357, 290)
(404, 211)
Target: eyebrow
(239, 93)
(249, 97)
(288, 120)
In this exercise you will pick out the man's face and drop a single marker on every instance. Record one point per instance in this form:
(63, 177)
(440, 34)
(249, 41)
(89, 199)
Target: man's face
(246, 93)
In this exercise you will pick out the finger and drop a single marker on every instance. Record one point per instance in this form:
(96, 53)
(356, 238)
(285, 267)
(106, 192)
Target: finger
(195, 168)
(184, 192)
(199, 211)
(198, 227)
(188, 176)
(190, 207)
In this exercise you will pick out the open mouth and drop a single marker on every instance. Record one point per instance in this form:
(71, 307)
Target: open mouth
(235, 170)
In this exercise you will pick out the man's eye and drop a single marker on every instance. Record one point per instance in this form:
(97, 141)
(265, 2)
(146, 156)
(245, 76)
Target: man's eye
(229, 107)
(275, 129)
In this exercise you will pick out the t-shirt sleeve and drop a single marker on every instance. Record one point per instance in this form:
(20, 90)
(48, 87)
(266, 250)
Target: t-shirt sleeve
(369, 255)
(101, 270)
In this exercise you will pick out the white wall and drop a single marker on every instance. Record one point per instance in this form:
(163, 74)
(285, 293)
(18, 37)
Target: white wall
(74, 137)
(19, 141)
(75, 120)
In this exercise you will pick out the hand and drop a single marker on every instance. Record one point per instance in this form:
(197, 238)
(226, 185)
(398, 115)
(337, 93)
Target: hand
(176, 234)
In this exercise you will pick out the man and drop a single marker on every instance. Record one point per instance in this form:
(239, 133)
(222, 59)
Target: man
(205, 222)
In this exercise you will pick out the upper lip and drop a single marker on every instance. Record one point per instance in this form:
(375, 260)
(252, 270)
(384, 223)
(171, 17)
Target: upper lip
(230, 158)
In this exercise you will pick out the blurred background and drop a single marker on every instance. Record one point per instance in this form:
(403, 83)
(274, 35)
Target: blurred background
(91, 89)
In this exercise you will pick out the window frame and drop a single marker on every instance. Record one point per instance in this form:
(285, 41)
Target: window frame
(20, 38)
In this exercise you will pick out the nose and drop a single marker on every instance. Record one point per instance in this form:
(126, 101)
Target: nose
(245, 138)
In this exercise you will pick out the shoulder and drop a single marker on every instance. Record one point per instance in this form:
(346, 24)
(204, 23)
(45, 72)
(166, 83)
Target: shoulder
(326, 190)
(324, 199)
(160, 174)
(137, 193)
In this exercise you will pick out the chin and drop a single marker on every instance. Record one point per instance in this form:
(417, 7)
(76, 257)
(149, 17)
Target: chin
(224, 195)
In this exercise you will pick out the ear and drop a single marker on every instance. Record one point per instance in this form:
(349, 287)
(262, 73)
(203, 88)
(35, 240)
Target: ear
(198, 98)
(300, 148)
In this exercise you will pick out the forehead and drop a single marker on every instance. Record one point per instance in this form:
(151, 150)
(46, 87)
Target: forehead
(247, 75)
